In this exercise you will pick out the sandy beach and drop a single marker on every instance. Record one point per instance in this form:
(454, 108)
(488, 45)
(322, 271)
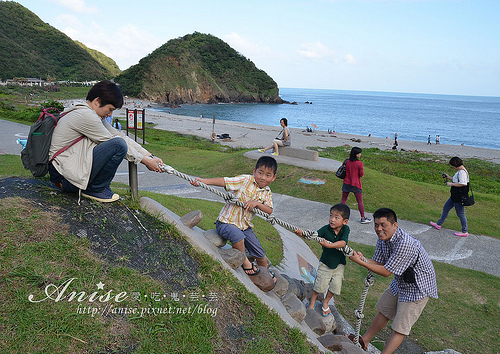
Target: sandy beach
(248, 135)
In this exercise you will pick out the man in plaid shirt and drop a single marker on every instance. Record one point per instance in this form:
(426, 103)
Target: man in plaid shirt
(235, 222)
(406, 297)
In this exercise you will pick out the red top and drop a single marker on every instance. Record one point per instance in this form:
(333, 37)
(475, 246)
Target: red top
(354, 172)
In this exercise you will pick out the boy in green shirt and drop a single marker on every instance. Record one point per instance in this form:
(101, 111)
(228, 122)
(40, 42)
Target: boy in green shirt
(332, 262)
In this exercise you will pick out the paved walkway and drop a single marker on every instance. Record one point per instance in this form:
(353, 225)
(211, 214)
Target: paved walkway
(474, 252)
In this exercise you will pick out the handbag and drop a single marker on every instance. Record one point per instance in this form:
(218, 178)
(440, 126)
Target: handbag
(468, 200)
(341, 171)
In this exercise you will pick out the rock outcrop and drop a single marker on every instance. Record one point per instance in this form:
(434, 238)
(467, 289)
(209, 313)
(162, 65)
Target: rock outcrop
(198, 68)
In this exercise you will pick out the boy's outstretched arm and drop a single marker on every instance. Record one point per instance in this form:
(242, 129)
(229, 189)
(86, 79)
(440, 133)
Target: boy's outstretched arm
(337, 244)
(250, 205)
(218, 181)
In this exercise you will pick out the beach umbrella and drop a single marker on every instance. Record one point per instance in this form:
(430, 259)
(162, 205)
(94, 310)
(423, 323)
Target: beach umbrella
(314, 126)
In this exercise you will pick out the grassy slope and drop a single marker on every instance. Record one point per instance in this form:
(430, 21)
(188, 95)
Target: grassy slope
(33, 257)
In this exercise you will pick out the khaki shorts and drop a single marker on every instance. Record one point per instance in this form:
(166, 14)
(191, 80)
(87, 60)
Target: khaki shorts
(278, 141)
(327, 278)
(403, 314)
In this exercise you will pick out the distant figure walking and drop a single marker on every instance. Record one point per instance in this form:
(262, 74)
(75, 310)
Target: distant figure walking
(438, 139)
(395, 146)
(283, 138)
(352, 181)
(429, 140)
(459, 186)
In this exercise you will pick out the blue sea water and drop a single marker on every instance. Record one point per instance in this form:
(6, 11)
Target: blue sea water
(468, 120)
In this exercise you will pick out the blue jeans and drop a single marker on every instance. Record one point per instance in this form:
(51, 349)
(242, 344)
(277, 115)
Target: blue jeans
(459, 208)
(107, 156)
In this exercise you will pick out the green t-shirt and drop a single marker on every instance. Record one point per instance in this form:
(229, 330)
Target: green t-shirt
(332, 257)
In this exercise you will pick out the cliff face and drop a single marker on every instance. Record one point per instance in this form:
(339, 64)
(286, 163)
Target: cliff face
(198, 68)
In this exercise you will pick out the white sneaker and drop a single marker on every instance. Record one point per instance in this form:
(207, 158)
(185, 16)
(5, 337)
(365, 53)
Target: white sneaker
(365, 220)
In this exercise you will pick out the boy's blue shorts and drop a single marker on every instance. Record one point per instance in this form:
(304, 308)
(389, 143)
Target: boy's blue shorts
(233, 234)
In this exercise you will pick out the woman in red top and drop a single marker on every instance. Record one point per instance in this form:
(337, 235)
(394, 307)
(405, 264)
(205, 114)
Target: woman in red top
(352, 181)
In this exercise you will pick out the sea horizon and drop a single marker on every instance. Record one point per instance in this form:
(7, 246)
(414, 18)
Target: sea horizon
(457, 119)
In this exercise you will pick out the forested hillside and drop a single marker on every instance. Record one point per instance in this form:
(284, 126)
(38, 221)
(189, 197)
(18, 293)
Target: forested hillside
(198, 68)
(31, 48)
(104, 60)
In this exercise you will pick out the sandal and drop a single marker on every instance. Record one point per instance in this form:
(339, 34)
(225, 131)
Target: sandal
(325, 310)
(273, 276)
(360, 340)
(254, 270)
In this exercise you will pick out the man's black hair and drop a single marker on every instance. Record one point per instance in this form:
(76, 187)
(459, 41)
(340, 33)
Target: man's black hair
(268, 162)
(387, 213)
(343, 210)
(108, 93)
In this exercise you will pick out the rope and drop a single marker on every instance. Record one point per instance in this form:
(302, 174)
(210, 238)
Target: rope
(272, 219)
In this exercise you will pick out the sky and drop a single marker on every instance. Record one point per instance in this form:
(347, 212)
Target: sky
(415, 46)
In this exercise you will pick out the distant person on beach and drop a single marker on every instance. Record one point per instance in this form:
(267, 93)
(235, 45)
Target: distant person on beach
(429, 140)
(93, 149)
(352, 181)
(283, 138)
(414, 280)
(332, 262)
(234, 222)
(438, 139)
(459, 186)
(395, 146)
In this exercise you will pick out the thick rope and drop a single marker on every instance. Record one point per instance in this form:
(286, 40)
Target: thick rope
(272, 219)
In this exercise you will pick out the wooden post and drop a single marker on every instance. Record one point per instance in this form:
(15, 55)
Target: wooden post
(133, 180)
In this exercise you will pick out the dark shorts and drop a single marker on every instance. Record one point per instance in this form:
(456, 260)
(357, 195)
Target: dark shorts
(350, 189)
(233, 234)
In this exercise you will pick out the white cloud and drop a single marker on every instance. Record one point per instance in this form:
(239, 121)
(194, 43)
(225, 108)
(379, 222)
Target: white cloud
(249, 49)
(350, 59)
(126, 45)
(77, 6)
(317, 51)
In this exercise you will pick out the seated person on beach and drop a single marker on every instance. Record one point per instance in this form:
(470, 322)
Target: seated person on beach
(89, 164)
(332, 262)
(234, 222)
(283, 138)
(117, 125)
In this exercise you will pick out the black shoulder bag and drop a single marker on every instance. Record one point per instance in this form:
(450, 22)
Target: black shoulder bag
(409, 273)
(466, 199)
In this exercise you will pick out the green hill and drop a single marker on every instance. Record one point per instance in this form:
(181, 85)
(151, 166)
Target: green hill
(104, 60)
(198, 68)
(32, 48)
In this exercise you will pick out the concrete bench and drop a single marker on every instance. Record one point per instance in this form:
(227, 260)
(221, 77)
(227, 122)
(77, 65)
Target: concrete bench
(304, 154)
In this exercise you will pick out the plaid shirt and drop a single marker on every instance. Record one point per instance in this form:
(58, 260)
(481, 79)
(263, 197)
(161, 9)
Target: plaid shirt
(245, 189)
(397, 254)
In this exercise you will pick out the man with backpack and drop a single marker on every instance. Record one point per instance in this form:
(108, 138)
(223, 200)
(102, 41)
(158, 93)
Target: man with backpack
(90, 164)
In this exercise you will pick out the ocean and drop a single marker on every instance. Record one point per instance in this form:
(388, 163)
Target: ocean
(468, 120)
